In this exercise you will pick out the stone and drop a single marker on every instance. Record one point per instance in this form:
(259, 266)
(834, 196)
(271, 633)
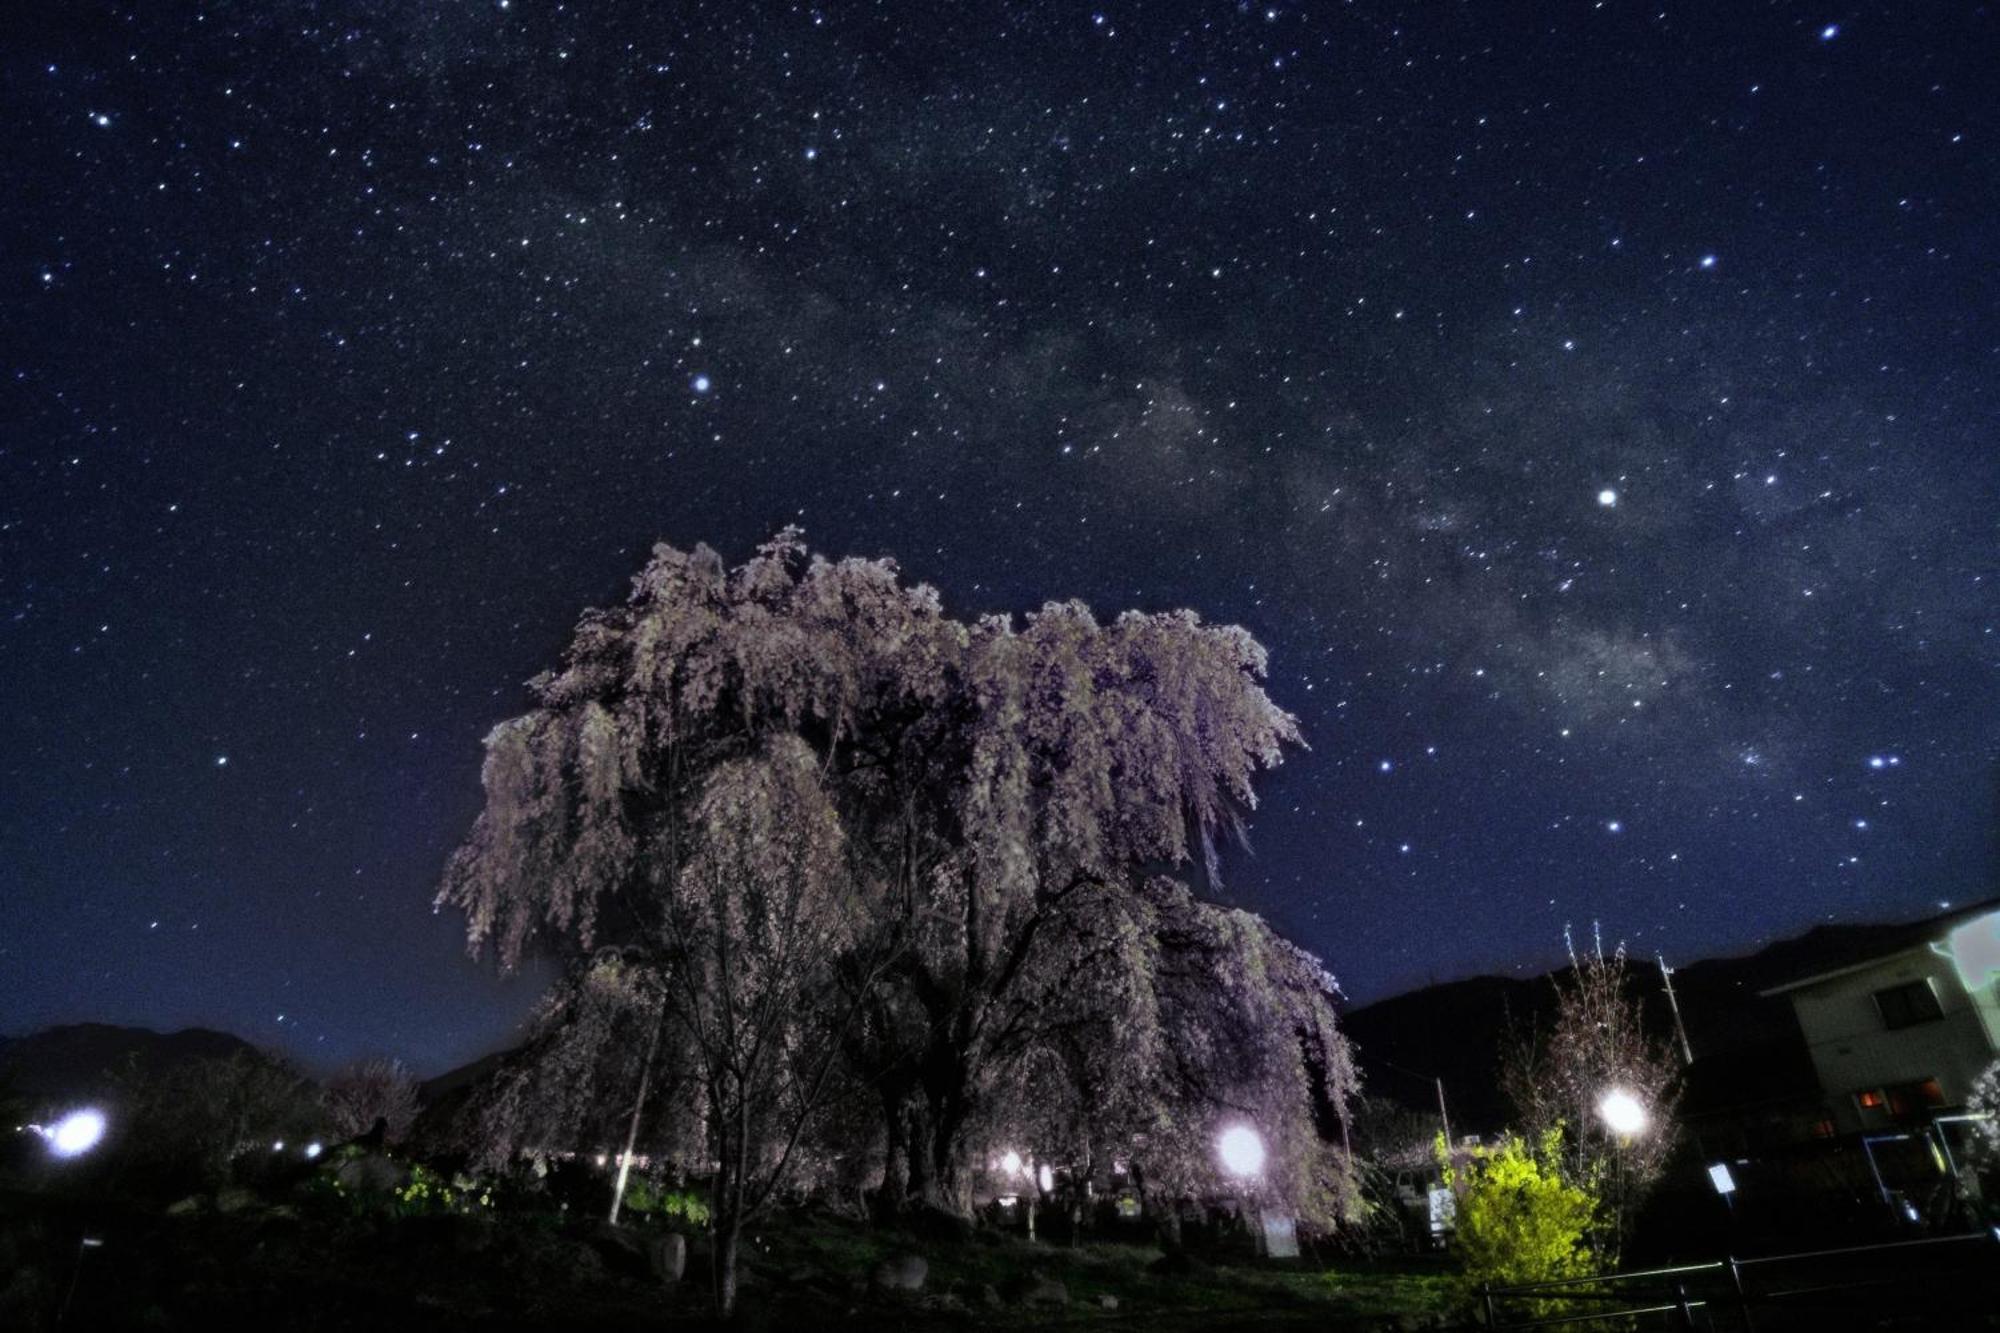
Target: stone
(1107, 1302)
(187, 1207)
(370, 1173)
(1037, 1290)
(667, 1256)
(234, 1199)
(901, 1272)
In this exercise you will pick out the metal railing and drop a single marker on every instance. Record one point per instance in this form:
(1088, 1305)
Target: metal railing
(1682, 1292)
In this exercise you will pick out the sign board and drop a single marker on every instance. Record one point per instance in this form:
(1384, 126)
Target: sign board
(1444, 1210)
(1281, 1236)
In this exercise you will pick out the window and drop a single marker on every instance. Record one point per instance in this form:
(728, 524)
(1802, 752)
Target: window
(1871, 1100)
(1910, 1100)
(1909, 1004)
(1823, 1129)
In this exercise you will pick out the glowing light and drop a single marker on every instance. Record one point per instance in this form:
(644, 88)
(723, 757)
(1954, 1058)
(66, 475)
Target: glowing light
(1829, 32)
(1622, 1112)
(1242, 1151)
(1011, 1164)
(1608, 498)
(1708, 261)
(278, 1145)
(76, 1133)
(701, 384)
(1719, 1176)
(313, 1150)
(1047, 1178)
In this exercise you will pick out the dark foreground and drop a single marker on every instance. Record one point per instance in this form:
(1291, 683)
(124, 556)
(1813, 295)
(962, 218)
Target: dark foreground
(239, 1261)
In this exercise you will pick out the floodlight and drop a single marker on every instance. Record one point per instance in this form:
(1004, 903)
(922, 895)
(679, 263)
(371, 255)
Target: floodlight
(1242, 1151)
(76, 1133)
(1622, 1112)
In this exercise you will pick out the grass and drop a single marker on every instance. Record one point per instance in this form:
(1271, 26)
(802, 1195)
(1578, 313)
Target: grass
(299, 1258)
(1246, 1293)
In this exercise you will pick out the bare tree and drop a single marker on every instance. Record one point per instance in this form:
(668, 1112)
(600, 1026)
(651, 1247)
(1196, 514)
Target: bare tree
(1598, 1045)
(370, 1091)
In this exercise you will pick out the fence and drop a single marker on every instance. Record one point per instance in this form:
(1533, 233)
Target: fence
(1783, 1290)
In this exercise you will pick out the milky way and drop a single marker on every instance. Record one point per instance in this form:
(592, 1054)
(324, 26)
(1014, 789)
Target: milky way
(1592, 409)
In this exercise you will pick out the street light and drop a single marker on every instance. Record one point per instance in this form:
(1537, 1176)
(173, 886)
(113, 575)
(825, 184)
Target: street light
(76, 1133)
(1242, 1151)
(1011, 1163)
(1625, 1116)
(1623, 1113)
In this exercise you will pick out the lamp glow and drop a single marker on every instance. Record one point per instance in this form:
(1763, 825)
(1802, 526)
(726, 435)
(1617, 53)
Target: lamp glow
(1622, 1112)
(313, 1150)
(76, 1133)
(1011, 1164)
(1242, 1151)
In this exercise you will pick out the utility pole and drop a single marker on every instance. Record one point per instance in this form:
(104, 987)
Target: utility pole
(1446, 1118)
(1674, 1004)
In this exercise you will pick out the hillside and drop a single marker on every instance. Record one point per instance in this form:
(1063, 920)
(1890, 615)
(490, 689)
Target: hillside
(82, 1059)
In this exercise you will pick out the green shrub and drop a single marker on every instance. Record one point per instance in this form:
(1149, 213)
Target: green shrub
(1518, 1220)
(428, 1192)
(683, 1206)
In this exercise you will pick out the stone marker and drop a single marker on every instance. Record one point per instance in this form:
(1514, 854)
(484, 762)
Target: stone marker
(901, 1272)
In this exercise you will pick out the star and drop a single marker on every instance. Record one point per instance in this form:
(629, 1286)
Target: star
(700, 384)
(1608, 498)
(1829, 32)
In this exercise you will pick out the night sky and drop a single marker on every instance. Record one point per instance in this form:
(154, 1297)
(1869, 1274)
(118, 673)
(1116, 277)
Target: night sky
(1591, 406)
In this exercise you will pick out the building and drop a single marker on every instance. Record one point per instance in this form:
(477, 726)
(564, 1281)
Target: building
(1897, 1037)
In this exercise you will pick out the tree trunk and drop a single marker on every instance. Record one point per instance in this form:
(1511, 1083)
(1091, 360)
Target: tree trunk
(895, 1155)
(726, 1237)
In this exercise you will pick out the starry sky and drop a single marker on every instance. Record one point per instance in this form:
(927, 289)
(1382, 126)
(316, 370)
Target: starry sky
(1591, 406)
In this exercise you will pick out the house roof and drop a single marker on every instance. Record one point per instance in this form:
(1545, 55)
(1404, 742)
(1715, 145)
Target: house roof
(1837, 951)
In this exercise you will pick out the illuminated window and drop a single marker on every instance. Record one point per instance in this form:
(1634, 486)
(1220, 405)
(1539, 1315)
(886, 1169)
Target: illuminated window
(1909, 1004)
(1911, 1099)
(1871, 1100)
(1823, 1129)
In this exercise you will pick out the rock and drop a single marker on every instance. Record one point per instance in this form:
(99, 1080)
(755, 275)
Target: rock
(234, 1199)
(370, 1173)
(187, 1207)
(1035, 1289)
(667, 1256)
(1107, 1302)
(901, 1272)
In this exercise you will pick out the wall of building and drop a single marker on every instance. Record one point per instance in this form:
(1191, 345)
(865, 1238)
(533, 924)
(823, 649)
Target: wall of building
(1854, 1050)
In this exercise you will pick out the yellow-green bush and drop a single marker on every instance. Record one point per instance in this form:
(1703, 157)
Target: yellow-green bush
(683, 1206)
(1518, 1220)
